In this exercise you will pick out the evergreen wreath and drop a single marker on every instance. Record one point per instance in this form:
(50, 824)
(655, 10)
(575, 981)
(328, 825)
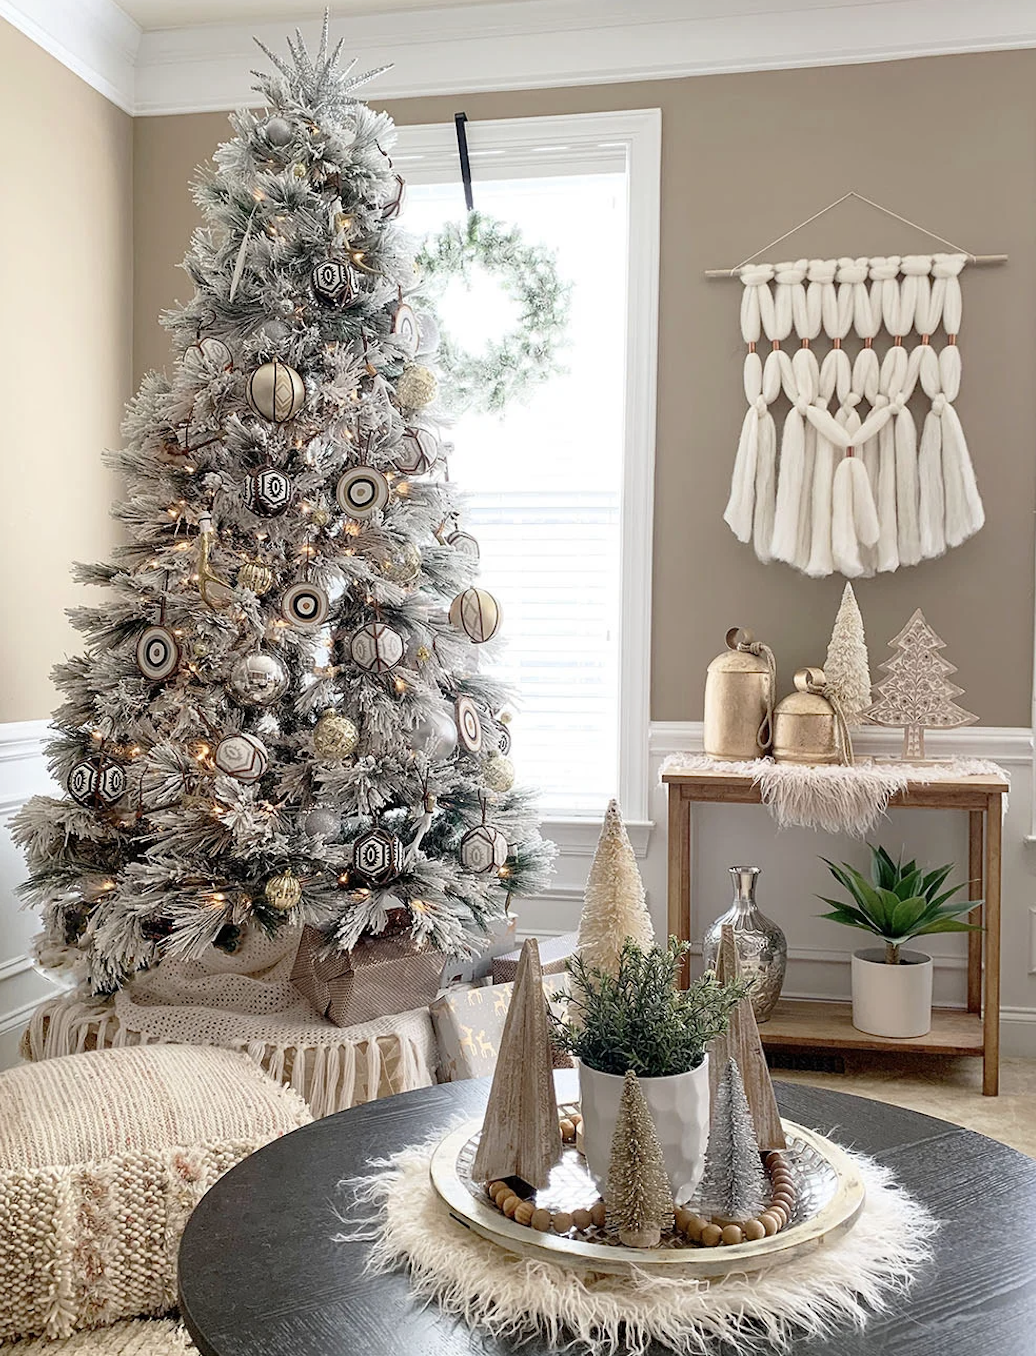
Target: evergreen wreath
(510, 366)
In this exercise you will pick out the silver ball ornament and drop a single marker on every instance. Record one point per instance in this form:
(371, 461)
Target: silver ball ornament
(322, 822)
(279, 131)
(435, 735)
(258, 679)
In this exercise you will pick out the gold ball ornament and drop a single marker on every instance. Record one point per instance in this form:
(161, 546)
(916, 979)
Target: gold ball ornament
(320, 517)
(256, 576)
(498, 773)
(276, 392)
(283, 892)
(335, 737)
(477, 614)
(416, 387)
(403, 564)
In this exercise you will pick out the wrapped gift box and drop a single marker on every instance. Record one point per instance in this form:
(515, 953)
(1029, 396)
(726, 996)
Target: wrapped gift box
(555, 953)
(469, 1022)
(500, 940)
(378, 977)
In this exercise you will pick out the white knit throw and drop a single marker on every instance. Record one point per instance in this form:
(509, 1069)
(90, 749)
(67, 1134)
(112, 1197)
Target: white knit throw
(506, 1296)
(835, 799)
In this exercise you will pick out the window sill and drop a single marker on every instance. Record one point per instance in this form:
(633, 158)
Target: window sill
(577, 835)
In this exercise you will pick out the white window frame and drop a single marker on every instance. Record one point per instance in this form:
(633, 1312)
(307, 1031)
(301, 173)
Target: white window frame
(428, 153)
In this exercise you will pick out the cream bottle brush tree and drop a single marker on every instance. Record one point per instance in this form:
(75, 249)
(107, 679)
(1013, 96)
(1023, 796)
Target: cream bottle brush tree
(278, 695)
(847, 668)
(614, 907)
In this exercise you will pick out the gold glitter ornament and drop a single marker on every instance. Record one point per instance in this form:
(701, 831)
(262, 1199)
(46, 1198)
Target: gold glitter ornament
(256, 576)
(299, 170)
(335, 737)
(416, 387)
(320, 517)
(403, 564)
(498, 772)
(284, 891)
(422, 654)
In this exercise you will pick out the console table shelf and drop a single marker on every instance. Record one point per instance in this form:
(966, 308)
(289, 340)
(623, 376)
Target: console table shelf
(800, 1024)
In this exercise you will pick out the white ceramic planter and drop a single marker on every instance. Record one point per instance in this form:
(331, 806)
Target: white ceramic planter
(892, 1000)
(679, 1107)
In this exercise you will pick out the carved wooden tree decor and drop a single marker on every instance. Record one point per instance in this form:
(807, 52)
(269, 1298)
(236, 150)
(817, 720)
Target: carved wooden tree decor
(520, 1135)
(741, 1042)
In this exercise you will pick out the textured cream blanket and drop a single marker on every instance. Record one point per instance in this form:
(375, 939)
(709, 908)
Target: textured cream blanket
(860, 1274)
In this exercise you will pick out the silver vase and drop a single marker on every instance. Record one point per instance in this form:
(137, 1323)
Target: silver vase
(762, 948)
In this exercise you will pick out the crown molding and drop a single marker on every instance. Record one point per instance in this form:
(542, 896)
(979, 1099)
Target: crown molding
(95, 39)
(515, 44)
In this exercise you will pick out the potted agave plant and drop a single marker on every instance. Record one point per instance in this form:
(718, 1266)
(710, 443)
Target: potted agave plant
(640, 1019)
(892, 987)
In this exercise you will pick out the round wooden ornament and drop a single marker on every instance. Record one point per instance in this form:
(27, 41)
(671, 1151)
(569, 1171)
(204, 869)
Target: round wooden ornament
(376, 647)
(404, 328)
(361, 492)
(477, 614)
(305, 604)
(242, 756)
(157, 653)
(276, 392)
(469, 727)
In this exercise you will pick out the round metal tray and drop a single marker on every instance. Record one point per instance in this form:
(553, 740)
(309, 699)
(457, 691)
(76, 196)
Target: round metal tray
(829, 1197)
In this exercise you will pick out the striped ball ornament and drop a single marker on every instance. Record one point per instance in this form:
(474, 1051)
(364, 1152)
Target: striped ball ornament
(276, 392)
(477, 614)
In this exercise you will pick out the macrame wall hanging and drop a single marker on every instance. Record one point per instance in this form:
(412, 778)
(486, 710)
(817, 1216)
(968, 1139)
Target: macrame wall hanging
(847, 485)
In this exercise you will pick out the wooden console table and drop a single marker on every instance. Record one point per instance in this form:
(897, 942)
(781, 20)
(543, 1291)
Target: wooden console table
(798, 1023)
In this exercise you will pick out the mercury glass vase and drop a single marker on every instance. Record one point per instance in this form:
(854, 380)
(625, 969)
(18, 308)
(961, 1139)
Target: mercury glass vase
(762, 949)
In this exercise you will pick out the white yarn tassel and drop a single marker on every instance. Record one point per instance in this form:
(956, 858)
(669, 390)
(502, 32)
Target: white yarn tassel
(765, 490)
(932, 497)
(804, 545)
(820, 562)
(845, 546)
(741, 504)
(908, 528)
(887, 555)
(789, 488)
(964, 511)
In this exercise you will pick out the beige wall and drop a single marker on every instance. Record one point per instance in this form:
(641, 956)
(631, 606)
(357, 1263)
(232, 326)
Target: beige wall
(65, 350)
(948, 141)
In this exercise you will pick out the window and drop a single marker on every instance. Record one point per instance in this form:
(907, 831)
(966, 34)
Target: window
(558, 489)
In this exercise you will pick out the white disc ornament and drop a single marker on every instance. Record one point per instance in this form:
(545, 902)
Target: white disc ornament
(276, 392)
(267, 492)
(435, 735)
(331, 282)
(417, 451)
(403, 564)
(283, 891)
(335, 737)
(469, 727)
(416, 387)
(483, 849)
(242, 756)
(208, 353)
(322, 822)
(498, 772)
(477, 614)
(404, 328)
(376, 647)
(427, 333)
(465, 543)
(157, 653)
(258, 679)
(256, 576)
(96, 782)
(305, 605)
(378, 855)
(279, 131)
(362, 491)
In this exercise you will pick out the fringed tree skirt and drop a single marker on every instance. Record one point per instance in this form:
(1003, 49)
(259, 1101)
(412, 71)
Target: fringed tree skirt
(857, 1275)
(832, 798)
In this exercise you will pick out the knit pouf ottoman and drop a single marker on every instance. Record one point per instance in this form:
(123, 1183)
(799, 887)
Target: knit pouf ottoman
(103, 1156)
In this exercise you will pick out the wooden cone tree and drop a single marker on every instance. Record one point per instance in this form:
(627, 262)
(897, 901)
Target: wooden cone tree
(741, 1042)
(520, 1135)
(639, 1202)
(847, 667)
(614, 907)
(735, 1186)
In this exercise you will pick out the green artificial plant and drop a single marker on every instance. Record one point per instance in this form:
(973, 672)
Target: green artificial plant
(640, 1018)
(899, 903)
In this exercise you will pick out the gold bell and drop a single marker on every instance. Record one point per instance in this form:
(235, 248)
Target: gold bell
(739, 697)
(808, 725)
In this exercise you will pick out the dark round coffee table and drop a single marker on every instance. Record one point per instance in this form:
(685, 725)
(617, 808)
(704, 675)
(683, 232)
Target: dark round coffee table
(260, 1276)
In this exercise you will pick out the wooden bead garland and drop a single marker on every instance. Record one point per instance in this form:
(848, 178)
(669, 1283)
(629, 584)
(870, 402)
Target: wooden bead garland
(714, 1233)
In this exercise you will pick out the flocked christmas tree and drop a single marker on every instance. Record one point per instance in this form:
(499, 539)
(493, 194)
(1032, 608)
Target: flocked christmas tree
(734, 1187)
(847, 668)
(614, 907)
(638, 1200)
(917, 693)
(280, 714)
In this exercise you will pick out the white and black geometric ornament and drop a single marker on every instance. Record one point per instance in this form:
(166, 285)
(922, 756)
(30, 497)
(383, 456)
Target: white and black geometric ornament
(477, 614)
(267, 492)
(378, 855)
(242, 756)
(483, 849)
(417, 452)
(465, 543)
(393, 204)
(469, 727)
(305, 605)
(276, 392)
(157, 653)
(362, 491)
(504, 741)
(331, 282)
(208, 353)
(376, 647)
(93, 781)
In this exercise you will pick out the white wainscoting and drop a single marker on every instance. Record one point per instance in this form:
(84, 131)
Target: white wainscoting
(22, 774)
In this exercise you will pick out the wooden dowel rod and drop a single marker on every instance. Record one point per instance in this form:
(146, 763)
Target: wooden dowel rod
(972, 259)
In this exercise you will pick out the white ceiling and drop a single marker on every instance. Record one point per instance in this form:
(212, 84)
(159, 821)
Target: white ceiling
(156, 14)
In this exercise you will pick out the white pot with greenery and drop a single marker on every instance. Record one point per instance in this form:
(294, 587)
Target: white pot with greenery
(892, 987)
(640, 1019)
